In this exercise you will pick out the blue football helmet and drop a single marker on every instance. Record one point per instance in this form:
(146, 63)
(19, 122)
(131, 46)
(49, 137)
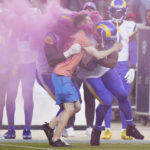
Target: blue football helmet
(108, 33)
(117, 10)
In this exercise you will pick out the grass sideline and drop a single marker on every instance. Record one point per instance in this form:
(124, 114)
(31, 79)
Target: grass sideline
(75, 146)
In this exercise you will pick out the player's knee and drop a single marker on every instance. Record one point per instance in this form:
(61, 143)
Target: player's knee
(122, 96)
(107, 98)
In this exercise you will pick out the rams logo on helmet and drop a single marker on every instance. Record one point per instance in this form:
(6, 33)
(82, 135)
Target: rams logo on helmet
(108, 33)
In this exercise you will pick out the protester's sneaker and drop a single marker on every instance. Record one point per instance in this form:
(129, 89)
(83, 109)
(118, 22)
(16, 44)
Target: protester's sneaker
(132, 131)
(124, 136)
(60, 143)
(68, 132)
(88, 131)
(26, 134)
(10, 134)
(95, 137)
(107, 134)
(48, 131)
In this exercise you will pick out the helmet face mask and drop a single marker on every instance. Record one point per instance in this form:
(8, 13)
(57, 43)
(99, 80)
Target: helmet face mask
(117, 10)
(118, 13)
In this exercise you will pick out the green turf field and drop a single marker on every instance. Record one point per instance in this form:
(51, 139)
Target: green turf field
(44, 146)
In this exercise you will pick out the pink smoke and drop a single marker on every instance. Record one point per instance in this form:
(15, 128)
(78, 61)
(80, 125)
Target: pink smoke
(20, 18)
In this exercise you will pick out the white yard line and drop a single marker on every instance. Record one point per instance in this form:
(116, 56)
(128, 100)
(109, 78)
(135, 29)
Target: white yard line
(27, 147)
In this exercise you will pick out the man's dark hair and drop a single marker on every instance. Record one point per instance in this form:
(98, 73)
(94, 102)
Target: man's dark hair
(79, 18)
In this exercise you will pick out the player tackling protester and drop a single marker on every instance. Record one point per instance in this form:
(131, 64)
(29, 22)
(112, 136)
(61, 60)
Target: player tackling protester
(66, 92)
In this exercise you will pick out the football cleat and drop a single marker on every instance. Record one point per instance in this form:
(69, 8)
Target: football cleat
(27, 134)
(132, 131)
(60, 143)
(11, 134)
(95, 137)
(107, 134)
(48, 131)
(124, 136)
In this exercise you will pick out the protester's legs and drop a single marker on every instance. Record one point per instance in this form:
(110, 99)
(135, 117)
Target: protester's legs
(62, 119)
(69, 129)
(71, 121)
(67, 95)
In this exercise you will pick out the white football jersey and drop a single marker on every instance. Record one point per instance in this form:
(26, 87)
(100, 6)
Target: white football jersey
(126, 29)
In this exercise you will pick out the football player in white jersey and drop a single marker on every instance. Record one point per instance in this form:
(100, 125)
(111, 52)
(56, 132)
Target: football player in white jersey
(126, 59)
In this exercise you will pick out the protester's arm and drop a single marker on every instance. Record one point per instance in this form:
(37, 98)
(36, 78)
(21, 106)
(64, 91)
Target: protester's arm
(102, 54)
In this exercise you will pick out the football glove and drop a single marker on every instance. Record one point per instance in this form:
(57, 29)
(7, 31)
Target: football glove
(74, 49)
(130, 75)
